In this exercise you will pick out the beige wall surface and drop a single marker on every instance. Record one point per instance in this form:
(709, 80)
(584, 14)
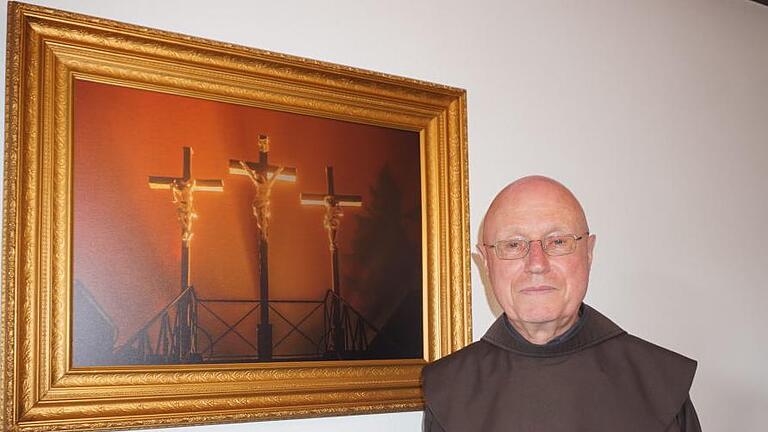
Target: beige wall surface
(652, 111)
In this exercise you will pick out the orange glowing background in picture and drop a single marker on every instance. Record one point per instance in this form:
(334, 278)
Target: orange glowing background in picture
(127, 239)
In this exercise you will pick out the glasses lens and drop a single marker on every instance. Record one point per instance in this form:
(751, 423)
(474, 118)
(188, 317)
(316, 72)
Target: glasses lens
(511, 249)
(559, 245)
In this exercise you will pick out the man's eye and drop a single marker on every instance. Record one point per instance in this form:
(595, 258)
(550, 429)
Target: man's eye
(558, 243)
(511, 244)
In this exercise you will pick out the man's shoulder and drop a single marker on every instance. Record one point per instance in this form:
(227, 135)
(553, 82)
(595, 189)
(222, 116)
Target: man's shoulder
(663, 375)
(469, 353)
(459, 361)
(652, 354)
(632, 350)
(447, 380)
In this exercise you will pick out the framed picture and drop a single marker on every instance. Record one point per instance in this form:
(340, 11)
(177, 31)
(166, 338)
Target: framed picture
(197, 232)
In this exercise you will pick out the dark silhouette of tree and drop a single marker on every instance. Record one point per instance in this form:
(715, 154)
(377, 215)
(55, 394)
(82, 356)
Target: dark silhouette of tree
(384, 281)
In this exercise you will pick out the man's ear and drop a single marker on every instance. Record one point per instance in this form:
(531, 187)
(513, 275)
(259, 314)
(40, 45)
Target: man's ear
(591, 240)
(481, 258)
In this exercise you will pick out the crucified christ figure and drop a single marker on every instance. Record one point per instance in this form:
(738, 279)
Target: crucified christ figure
(185, 209)
(332, 220)
(261, 202)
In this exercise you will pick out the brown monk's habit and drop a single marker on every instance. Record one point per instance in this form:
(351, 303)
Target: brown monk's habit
(597, 378)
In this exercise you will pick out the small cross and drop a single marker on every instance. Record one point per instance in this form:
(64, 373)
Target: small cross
(332, 221)
(182, 194)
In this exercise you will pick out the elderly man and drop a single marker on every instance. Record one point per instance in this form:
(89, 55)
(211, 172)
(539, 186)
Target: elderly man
(551, 363)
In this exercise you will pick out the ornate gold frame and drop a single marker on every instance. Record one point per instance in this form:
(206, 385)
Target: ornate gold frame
(47, 50)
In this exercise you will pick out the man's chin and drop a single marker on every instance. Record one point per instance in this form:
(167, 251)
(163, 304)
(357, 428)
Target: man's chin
(539, 314)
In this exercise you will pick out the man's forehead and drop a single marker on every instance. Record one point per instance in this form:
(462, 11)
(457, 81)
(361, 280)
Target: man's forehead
(534, 205)
(534, 220)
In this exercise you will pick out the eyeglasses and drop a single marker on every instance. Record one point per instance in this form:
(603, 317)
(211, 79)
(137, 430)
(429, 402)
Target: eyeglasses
(552, 246)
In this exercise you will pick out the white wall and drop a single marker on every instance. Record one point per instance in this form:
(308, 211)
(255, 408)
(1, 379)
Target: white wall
(652, 111)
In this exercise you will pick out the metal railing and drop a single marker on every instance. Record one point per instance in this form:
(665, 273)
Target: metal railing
(174, 334)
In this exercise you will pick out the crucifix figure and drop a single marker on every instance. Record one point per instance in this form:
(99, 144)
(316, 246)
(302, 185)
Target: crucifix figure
(331, 222)
(182, 190)
(182, 199)
(263, 177)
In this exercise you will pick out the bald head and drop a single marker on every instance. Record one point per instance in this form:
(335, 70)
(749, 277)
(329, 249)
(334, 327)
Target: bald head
(540, 291)
(533, 194)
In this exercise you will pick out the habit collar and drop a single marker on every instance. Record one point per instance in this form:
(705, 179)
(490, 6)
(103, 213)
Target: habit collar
(591, 329)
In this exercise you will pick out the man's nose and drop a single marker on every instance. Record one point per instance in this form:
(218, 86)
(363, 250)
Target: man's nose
(537, 261)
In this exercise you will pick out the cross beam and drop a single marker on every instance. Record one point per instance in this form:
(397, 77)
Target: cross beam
(329, 197)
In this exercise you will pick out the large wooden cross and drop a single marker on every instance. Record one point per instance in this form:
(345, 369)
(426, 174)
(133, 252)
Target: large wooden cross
(182, 194)
(263, 176)
(332, 221)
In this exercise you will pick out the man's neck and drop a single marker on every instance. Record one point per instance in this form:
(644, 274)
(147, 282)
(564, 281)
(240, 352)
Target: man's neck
(542, 333)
